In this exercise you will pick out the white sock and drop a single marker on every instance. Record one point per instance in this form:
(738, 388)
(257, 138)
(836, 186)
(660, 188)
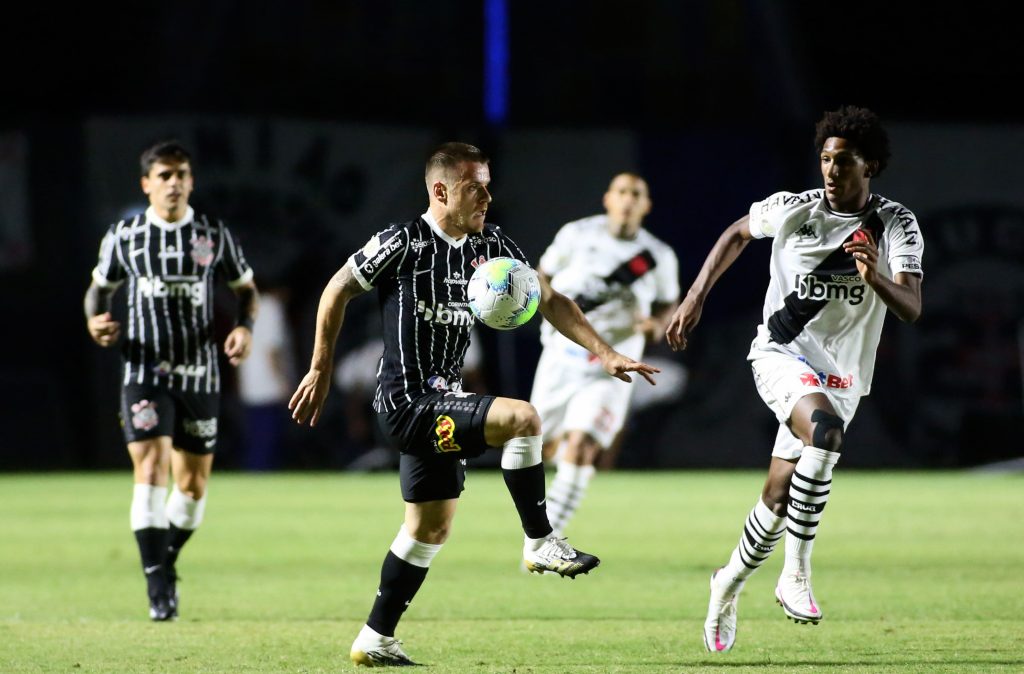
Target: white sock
(369, 636)
(185, 512)
(808, 494)
(147, 509)
(566, 493)
(408, 549)
(522, 452)
(761, 533)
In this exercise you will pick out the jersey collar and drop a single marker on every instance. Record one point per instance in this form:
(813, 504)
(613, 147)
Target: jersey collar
(867, 208)
(454, 243)
(152, 217)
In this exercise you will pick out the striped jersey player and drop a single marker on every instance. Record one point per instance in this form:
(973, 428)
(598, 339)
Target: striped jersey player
(170, 269)
(170, 257)
(420, 270)
(841, 258)
(421, 274)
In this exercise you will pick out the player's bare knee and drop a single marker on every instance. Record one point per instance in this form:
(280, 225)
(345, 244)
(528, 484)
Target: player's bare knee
(525, 420)
(827, 431)
(434, 534)
(193, 486)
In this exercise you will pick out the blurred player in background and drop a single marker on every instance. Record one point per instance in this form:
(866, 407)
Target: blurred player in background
(840, 257)
(625, 280)
(421, 269)
(170, 257)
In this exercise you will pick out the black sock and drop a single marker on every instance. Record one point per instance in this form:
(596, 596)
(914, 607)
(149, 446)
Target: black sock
(152, 546)
(399, 582)
(176, 539)
(527, 488)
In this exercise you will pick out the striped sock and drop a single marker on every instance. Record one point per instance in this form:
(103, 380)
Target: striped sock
(808, 493)
(761, 533)
(566, 493)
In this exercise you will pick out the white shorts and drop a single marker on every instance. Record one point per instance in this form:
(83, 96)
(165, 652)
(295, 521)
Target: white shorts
(572, 392)
(782, 380)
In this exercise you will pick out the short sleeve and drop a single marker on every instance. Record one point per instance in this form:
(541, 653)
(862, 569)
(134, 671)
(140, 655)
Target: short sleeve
(109, 271)
(906, 244)
(667, 275)
(380, 257)
(558, 254)
(232, 261)
(767, 217)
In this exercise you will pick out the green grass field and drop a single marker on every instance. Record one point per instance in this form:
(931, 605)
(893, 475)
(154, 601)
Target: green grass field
(916, 572)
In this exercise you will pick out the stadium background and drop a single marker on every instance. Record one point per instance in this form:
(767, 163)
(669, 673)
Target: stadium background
(309, 122)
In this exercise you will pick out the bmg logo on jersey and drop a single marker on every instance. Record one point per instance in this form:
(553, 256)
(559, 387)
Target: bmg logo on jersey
(443, 315)
(846, 288)
(154, 286)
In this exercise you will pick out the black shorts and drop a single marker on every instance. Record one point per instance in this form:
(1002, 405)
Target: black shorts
(149, 411)
(435, 435)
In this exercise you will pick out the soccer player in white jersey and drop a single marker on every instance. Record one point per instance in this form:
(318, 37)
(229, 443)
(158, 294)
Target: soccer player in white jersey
(841, 256)
(170, 256)
(626, 282)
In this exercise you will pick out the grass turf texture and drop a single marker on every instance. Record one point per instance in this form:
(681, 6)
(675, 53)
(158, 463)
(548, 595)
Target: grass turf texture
(916, 572)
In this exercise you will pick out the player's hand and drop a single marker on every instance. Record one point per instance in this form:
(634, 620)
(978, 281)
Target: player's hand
(683, 321)
(238, 344)
(618, 365)
(865, 254)
(308, 400)
(103, 329)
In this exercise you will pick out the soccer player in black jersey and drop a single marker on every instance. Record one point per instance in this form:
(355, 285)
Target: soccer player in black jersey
(170, 256)
(421, 269)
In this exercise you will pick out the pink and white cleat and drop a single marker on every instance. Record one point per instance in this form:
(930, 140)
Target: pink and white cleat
(793, 593)
(720, 625)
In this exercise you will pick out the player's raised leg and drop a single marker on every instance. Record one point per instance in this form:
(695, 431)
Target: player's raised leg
(405, 567)
(815, 422)
(150, 461)
(514, 425)
(185, 509)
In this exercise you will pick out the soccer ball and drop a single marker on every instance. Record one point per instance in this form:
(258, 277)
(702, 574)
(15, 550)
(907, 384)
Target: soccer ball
(503, 293)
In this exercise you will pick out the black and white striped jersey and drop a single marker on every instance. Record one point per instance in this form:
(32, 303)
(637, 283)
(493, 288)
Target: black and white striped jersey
(421, 275)
(170, 268)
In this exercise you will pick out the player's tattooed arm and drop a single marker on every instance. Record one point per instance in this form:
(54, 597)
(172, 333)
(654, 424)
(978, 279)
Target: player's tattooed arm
(569, 320)
(308, 400)
(102, 327)
(239, 340)
(725, 251)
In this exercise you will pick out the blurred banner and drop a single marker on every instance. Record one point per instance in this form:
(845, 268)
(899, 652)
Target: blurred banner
(302, 195)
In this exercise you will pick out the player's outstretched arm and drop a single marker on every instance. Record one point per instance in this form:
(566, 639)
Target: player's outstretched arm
(569, 320)
(239, 340)
(308, 400)
(725, 251)
(102, 327)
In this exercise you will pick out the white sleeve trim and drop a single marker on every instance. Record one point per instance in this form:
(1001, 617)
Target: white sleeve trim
(102, 281)
(241, 280)
(351, 264)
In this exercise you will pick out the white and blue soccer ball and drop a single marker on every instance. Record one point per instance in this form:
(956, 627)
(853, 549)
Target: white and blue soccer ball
(504, 293)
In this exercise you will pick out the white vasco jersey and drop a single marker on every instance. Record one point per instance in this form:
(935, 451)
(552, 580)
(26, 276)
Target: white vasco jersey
(818, 307)
(614, 281)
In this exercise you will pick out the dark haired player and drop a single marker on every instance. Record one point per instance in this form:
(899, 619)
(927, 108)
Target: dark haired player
(840, 257)
(421, 269)
(170, 257)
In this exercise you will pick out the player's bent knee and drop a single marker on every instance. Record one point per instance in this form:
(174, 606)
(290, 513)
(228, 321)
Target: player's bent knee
(828, 431)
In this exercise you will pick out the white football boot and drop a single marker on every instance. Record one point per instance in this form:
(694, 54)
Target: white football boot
(720, 625)
(557, 556)
(379, 652)
(793, 593)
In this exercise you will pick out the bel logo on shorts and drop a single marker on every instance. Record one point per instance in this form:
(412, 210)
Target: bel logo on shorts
(445, 429)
